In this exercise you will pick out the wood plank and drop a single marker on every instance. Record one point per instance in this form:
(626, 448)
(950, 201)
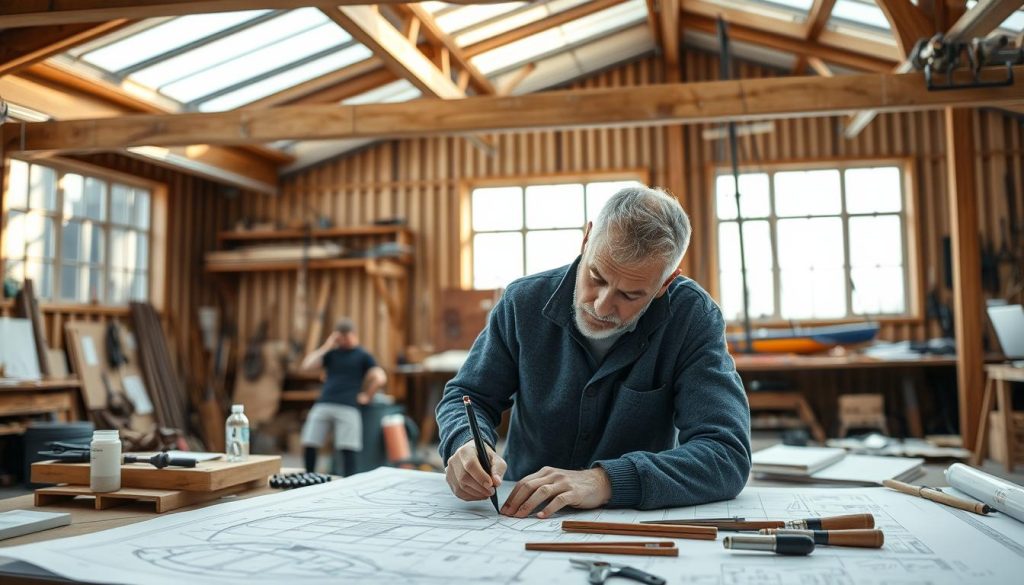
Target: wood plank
(22, 47)
(907, 21)
(46, 12)
(820, 67)
(968, 304)
(207, 476)
(744, 99)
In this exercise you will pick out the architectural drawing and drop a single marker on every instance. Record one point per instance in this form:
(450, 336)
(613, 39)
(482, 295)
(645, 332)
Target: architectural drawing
(392, 526)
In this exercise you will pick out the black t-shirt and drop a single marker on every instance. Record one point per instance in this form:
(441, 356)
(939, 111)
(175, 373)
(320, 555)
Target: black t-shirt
(345, 371)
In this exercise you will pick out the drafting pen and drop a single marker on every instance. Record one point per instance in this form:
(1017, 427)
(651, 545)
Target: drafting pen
(937, 495)
(860, 538)
(481, 452)
(783, 544)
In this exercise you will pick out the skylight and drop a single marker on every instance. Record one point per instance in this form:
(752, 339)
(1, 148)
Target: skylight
(168, 36)
(860, 13)
(470, 14)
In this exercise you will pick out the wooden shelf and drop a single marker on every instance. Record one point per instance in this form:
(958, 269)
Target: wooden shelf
(320, 264)
(339, 232)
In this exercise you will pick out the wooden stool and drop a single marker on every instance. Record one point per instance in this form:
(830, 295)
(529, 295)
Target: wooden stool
(862, 411)
(790, 401)
(997, 376)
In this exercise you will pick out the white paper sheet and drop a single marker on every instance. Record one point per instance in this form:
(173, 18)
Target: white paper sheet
(392, 526)
(136, 392)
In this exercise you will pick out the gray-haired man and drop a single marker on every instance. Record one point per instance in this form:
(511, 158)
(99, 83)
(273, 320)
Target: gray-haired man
(616, 370)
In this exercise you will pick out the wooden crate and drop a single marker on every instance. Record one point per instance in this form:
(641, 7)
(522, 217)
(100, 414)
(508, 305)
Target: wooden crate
(207, 476)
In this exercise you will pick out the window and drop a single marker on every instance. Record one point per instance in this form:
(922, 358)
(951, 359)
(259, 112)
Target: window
(518, 230)
(80, 238)
(822, 243)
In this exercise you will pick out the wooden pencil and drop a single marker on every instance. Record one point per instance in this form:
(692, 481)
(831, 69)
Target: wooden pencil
(729, 525)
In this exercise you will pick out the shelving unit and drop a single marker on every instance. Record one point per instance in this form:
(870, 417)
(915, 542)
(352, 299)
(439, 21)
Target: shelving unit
(389, 274)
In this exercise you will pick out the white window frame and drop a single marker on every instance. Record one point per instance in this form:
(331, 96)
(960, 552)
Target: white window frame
(912, 277)
(466, 206)
(61, 168)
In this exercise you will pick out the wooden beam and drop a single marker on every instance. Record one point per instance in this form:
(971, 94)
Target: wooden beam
(985, 17)
(968, 304)
(369, 27)
(800, 66)
(679, 103)
(817, 18)
(22, 47)
(908, 23)
(17, 13)
(249, 166)
(539, 26)
(653, 23)
(820, 67)
(670, 38)
(797, 46)
(349, 88)
(432, 31)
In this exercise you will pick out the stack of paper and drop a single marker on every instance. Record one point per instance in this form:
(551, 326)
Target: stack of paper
(826, 465)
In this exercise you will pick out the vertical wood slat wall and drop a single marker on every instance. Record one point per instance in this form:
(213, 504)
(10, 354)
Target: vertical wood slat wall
(418, 179)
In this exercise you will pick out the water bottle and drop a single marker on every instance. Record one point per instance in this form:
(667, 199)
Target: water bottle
(237, 434)
(105, 461)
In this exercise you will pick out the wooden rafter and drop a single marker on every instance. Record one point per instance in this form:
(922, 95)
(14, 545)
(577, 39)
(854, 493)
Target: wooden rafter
(325, 82)
(908, 23)
(22, 47)
(539, 26)
(654, 23)
(796, 46)
(980, 20)
(677, 103)
(510, 84)
(820, 67)
(817, 18)
(16, 13)
(436, 35)
(399, 54)
(670, 37)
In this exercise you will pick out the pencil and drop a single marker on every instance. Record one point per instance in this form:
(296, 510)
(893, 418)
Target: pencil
(481, 452)
(936, 495)
(655, 530)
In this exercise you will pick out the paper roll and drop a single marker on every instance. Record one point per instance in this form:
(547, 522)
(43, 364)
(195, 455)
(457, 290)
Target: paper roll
(1000, 494)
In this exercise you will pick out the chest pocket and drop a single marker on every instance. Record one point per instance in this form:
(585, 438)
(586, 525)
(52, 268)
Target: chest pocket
(643, 399)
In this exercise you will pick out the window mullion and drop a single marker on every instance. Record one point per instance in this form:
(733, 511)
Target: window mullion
(847, 268)
(773, 223)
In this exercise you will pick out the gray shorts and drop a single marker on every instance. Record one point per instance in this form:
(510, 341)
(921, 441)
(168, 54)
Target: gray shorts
(345, 421)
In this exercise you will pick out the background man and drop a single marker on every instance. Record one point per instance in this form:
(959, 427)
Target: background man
(352, 377)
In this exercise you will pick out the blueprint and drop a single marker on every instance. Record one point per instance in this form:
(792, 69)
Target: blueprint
(396, 526)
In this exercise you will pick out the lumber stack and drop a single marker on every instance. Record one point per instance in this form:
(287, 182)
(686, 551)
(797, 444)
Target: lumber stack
(165, 386)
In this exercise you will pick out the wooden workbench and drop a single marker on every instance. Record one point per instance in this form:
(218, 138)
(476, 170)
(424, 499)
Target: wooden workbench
(22, 398)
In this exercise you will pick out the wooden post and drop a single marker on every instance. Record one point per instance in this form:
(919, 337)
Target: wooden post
(967, 297)
(674, 140)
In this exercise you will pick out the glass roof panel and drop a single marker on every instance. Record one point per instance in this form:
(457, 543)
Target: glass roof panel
(230, 47)
(599, 23)
(1013, 25)
(270, 57)
(286, 79)
(165, 37)
(799, 5)
(396, 91)
(861, 13)
(513, 21)
(467, 15)
(522, 50)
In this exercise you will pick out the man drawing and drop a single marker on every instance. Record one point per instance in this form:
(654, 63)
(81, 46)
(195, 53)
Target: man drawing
(622, 391)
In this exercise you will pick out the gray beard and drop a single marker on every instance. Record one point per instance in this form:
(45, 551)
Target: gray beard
(581, 324)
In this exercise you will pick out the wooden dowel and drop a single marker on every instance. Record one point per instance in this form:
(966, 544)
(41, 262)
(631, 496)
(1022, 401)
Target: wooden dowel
(682, 531)
(604, 543)
(654, 551)
(650, 532)
(731, 525)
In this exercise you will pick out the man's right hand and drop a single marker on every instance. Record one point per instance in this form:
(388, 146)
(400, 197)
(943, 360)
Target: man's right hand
(332, 340)
(467, 478)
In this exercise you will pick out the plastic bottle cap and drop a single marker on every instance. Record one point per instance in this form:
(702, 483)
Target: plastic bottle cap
(237, 408)
(106, 435)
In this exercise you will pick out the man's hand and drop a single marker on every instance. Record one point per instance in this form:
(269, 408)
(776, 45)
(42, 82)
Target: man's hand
(589, 488)
(363, 398)
(467, 478)
(332, 340)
